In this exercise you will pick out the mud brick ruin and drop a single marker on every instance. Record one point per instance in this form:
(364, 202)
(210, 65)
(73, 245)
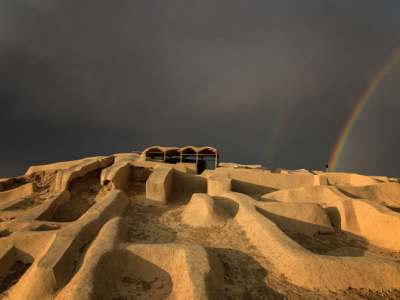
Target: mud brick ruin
(158, 224)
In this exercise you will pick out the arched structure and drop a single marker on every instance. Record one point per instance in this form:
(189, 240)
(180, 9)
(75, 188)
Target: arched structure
(172, 152)
(209, 152)
(189, 151)
(154, 152)
(164, 152)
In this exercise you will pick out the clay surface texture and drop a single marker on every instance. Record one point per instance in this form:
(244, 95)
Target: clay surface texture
(160, 225)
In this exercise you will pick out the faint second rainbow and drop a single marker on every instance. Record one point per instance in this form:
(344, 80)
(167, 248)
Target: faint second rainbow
(277, 135)
(341, 142)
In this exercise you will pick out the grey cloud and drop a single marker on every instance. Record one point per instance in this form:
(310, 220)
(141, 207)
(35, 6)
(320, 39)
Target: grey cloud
(85, 78)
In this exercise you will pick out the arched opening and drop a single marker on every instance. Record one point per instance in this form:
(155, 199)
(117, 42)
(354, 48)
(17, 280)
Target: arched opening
(173, 155)
(208, 154)
(154, 153)
(189, 154)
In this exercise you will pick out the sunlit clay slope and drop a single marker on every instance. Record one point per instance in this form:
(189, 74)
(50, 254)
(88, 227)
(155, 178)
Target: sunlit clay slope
(160, 226)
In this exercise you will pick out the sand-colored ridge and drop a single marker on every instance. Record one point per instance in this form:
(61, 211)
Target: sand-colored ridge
(204, 211)
(261, 181)
(336, 178)
(20, 192)
(12, 204)
(64, 177)
(118, 173)
(383, 193)
(308, 218)
(285, 171)
(141, 271)
(6, 183)
(53, 268)
(303, 267)
(159, 186)
(239, 166)
(80, 286)
(61, 165)
(368, 219)
(127, 226)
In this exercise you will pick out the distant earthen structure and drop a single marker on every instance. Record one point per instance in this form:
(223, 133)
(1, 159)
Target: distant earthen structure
(158, 224)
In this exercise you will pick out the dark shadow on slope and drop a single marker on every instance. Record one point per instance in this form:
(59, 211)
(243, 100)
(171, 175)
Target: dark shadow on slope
(19, 262)
(265, 199)
(83, 194)
(286, 223)
(349, 194)
(122, 274)
(342, 243)
(47, 227)
(21, 205)
(251, 188)
(5, 233)
(244, 277)
(335, 217)
(12, 275)
(232, 207)
(396, 209)
(80, 256)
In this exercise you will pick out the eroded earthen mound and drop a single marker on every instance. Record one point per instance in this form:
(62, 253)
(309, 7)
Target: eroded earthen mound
(204, 211)
(82, 230)
(308, 218)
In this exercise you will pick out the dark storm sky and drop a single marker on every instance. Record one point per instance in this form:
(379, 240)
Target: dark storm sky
(86, 78)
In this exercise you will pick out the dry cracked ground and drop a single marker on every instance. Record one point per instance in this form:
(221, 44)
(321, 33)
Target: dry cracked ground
(92, 241)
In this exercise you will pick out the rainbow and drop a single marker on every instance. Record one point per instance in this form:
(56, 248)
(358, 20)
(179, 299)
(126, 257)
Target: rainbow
(361, 103)
(277, 134)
